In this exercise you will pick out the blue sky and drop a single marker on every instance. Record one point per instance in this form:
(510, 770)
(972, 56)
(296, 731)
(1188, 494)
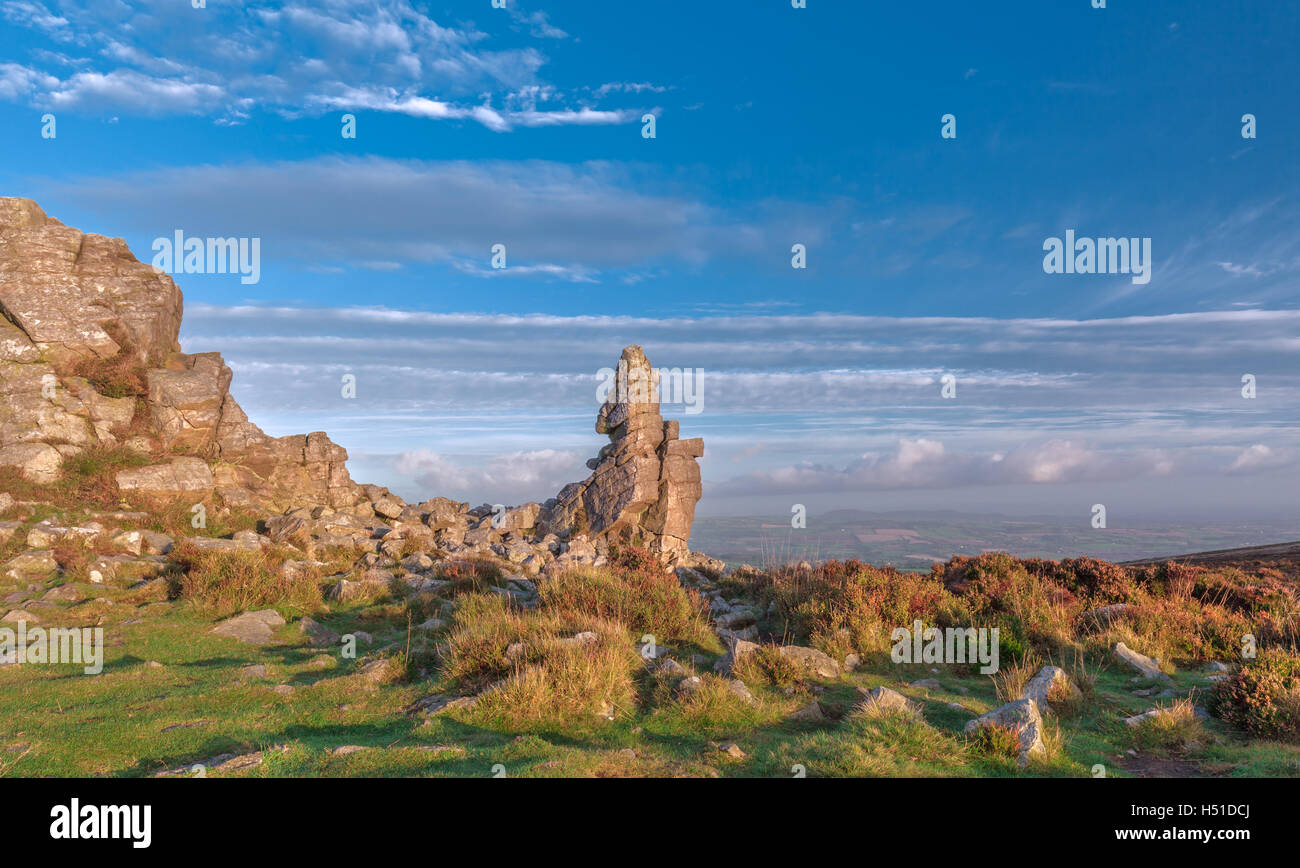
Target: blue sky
(775, 126)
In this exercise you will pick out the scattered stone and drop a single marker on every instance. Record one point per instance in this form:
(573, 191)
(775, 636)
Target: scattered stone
(1022, 716)
(131, 540)
(1048, 680)
(733, 750)
(1139, 719)
(1146, 667)
(30, 565)
(811, 660)
(884, 699)
(738, 688)
(253, 628)
(317, 634)
(689, 685)
(226, 763)
(811, 712)
(64, 594)
(738, 650)
(671, 667)
(1104, 616)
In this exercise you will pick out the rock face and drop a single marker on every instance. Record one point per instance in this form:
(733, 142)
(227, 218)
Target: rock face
(73, 304)
(645, 482)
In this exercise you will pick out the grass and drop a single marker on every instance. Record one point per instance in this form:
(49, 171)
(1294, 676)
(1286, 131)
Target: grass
(550, 706)
(1171, 728)
(221, 583)
(647, 602)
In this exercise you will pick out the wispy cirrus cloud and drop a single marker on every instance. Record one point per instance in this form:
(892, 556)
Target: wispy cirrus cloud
(561, 221)
(290, 58)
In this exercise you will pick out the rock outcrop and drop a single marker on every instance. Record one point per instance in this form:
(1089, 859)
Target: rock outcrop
(645, 482)
(89, 357)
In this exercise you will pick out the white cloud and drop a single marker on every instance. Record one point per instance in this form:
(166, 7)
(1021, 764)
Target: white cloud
(133, 91)
(558, 220)
(923, 463)
(512, 478)
(376, 55)
(1258, 457)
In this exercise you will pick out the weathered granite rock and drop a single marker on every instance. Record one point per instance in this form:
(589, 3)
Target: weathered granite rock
(37, 462)
(68, 298)
(178, 476)
(645, 482)
(883, 700)
(1050, 680)
(1146, 667)
(1021, 716)
(811, 661)
(253, 628)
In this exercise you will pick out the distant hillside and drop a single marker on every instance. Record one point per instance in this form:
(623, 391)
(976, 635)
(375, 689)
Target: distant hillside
(914, 540)
(1281, 556)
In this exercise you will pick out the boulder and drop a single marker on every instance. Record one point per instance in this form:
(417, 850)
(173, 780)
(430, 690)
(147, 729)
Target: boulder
(811, 661)
(1146, 667)
(318, 635)
(37, 462)
(882, 699)
(1048, 680)
(1021, 716)
(253, 628)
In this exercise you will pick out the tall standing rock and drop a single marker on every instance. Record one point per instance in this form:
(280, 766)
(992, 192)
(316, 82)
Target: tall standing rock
(645, 482)
(68, 300)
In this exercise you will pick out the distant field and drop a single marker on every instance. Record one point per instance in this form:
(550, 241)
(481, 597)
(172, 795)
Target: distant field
(912, 541)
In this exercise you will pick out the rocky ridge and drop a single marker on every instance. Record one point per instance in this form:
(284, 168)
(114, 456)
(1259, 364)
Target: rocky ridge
(90, 358)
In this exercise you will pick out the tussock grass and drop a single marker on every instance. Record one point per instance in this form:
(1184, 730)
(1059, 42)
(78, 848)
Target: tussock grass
(714, 709)
(874, 744)
(643, 601)
(221, 583)
(470, 576)
(995, 741)
(768, 666)
(1009, 681)
(563, 686)
(1171, 728)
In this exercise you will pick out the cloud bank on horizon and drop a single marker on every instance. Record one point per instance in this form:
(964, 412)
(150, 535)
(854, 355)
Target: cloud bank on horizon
(823, 127)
